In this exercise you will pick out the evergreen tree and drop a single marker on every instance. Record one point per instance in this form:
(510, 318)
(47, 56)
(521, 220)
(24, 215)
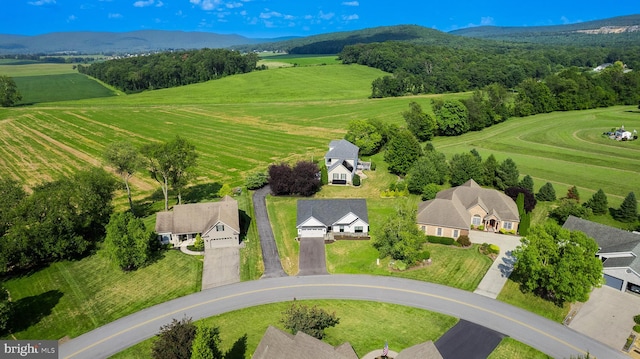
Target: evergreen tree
(206, 344)
(489, 171)
(628, 211)
(507, 174)
(464, 167)
(527, 183)
(598, 203)
(547, 193)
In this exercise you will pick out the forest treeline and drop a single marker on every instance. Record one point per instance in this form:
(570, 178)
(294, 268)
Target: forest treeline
(170, 69)
(438, 69)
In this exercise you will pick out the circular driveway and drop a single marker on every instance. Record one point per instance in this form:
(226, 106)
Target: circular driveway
(549, 337)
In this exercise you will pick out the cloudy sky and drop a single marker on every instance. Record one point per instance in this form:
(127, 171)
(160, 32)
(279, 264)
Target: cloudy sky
(272, 18)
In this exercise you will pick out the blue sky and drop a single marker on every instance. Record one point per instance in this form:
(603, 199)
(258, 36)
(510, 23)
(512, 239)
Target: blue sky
(271, 18)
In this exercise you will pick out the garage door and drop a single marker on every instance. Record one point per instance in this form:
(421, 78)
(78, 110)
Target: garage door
(312, 232)
(613, 282)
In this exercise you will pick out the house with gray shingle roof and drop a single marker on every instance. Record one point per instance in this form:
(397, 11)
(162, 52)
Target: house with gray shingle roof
(218, 223)
(341, 161)
(455, 210)
(277, 344)
(618, 249)
(320, 217)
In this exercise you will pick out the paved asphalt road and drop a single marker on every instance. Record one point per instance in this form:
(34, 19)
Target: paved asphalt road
(549, 337)
(270, 257)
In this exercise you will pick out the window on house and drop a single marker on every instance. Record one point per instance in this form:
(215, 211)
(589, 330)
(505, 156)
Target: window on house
(358, 229)
(341, 228)
(219, 227)
(336, 176)
(455, 233)
(343, 176)
(423, 228)
(476, 220)
(439, 232)
(507, 225)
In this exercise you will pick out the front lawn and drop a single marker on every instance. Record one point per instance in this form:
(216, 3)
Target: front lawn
(512, 294)
(510, 348)
(400, 326)
(69, 298)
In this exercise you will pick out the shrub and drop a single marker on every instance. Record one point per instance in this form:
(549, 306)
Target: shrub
(636, 319)
(429, 191)
(373, 166)
(424, 255)
(464, 240)
(400, 265)
(494, 249)
(636, 328)
(356, 180)
(198, 245)
(481, 227)
(256, 180)
(440, 240)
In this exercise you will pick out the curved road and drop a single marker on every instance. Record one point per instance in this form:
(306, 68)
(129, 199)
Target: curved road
(549, 337)
(270, 257)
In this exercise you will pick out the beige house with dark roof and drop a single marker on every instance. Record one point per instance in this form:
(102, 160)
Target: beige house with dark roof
(218, 223)
(455, 210)
(276, 344)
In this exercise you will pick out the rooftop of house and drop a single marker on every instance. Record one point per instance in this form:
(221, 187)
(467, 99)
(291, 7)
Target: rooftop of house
(328, 211)
(198, 217)
(276, 344)
(342, 149)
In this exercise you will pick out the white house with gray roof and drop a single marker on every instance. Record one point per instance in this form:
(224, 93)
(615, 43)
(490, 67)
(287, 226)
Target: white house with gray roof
(218, 223)
(321, 217)
(341, 161)
(618, 249)
(455, 210)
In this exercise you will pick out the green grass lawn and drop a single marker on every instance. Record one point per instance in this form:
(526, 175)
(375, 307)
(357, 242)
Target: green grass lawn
(69, 298)
(510, 348)
(15, 69)
(400, 326)
(302, 60)
(60, 87)
(512, 294)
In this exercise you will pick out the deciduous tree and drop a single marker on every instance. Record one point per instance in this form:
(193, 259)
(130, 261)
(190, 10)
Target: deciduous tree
(572, 194)
(128, 243)
(399, 237)
(6, 309)
(9, 94)
(421, 124)
(558, 265)
(309, 320)
(364, 135)
(451, 117)
(402, 151)
(125, 160)
(175, 340)
(306, 178)
(11, 194)
(280, 179)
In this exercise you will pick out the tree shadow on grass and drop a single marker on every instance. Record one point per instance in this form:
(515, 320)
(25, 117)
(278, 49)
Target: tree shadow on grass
(30, 310)
(201, 192)
(238, 349)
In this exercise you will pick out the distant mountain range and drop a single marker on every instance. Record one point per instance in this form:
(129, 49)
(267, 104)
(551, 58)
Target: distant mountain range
(119, 42)
(623, 30)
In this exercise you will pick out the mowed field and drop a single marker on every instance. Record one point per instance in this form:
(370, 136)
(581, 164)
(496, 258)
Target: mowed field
(246, 122)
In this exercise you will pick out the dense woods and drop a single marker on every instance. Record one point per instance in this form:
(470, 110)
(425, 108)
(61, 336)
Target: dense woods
(170, 69)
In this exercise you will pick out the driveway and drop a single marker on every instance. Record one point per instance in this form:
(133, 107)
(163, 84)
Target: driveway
(312, 259)
(221, 267)
(497, 275)
(607, 316)
(270, 257)
(478, 341)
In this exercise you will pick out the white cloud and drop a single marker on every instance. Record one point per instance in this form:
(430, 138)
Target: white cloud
(327, 16)
(159, 4)
(71, 18)
(42, 2)
(114, 16)
(351, 3)
(233, 5)
(486, 21)
(270, 14)
(206, 4)
(143, 3)
(350, 17)
(243, 12)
